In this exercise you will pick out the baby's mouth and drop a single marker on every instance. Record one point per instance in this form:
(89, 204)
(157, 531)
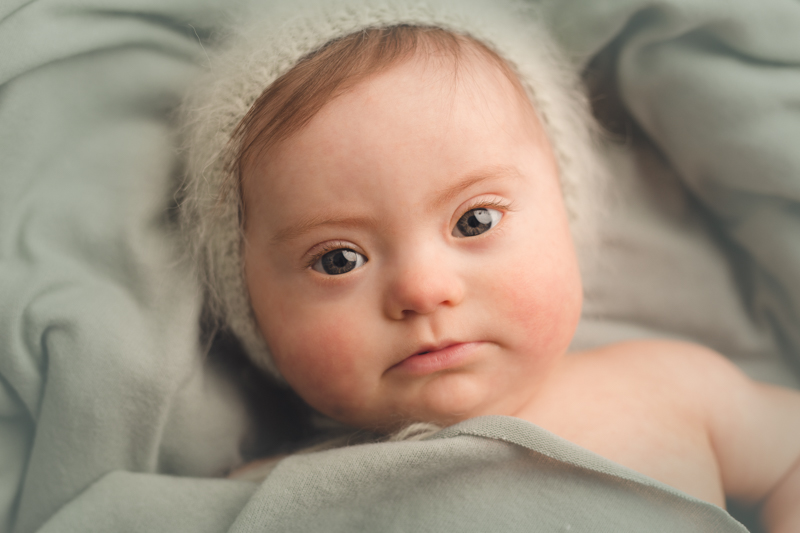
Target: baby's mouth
(434, 358)
(428, 348)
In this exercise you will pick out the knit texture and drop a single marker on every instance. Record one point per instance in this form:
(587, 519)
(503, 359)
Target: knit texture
(273, 39)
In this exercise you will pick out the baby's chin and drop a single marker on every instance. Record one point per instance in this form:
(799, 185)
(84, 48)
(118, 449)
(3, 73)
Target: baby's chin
(447, 400)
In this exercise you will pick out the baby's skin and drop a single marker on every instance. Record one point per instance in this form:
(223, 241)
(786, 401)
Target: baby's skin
(409, 258)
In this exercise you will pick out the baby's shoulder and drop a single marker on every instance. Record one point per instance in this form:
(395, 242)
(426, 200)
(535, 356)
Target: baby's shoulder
(684, 367)
(753, 429)
(683, 378)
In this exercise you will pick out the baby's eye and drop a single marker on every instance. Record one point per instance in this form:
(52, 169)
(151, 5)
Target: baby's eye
(339, 261)
(476, 221)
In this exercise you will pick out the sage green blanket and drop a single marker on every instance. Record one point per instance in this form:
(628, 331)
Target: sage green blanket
(112, 420)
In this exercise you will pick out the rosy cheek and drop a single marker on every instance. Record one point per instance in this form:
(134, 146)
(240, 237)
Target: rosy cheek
(320, 360)
(544, 306)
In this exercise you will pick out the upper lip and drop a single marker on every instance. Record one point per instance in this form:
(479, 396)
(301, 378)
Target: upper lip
(425, 348)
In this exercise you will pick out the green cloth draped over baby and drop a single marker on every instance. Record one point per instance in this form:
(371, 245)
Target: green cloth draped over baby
(113, 420)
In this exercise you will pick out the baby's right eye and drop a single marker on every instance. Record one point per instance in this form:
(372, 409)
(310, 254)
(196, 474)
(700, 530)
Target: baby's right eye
(339, 261)
(476, 222)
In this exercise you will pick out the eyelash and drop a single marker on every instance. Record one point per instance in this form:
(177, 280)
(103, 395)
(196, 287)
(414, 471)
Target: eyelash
(325, 248)
(335, 245)
(492, 204)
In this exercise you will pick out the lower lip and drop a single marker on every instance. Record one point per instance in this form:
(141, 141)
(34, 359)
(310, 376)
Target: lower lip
(435, 361)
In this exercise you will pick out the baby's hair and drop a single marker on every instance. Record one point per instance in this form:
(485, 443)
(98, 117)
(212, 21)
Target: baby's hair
(289, 103)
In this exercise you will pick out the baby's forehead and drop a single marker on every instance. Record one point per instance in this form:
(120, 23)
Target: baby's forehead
(421, 97)
(474, 67)
(347, 64)
(406, 127)
(398, 112)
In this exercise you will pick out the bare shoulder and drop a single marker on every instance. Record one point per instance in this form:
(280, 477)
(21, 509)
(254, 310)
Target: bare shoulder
(753, 428)
(679, 386)
(670, 351)
(686, 367)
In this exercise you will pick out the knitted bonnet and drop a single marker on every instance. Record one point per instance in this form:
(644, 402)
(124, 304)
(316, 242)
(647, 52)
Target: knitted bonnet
(274, 38)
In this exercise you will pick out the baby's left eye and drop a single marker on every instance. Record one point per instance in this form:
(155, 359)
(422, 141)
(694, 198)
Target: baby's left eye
(339, 261)
(476, 221)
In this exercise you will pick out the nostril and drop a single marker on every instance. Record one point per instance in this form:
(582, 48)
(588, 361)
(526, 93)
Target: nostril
(421, 290)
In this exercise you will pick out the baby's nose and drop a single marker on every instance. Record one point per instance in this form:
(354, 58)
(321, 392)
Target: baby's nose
(422, 283)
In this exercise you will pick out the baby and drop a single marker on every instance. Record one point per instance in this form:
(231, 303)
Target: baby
(402, 251)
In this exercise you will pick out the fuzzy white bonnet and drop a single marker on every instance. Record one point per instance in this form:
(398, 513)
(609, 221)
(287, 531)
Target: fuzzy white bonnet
(275, 37)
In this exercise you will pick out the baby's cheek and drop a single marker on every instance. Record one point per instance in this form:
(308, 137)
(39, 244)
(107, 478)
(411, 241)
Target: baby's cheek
(545, 308)
(319, 359)
(331, 344)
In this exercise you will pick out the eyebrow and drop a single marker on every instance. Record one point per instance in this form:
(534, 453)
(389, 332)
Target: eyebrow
(441, 198)
(304, 226)
(448, 194)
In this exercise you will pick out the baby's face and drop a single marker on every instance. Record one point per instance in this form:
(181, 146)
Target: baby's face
(419, 212)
